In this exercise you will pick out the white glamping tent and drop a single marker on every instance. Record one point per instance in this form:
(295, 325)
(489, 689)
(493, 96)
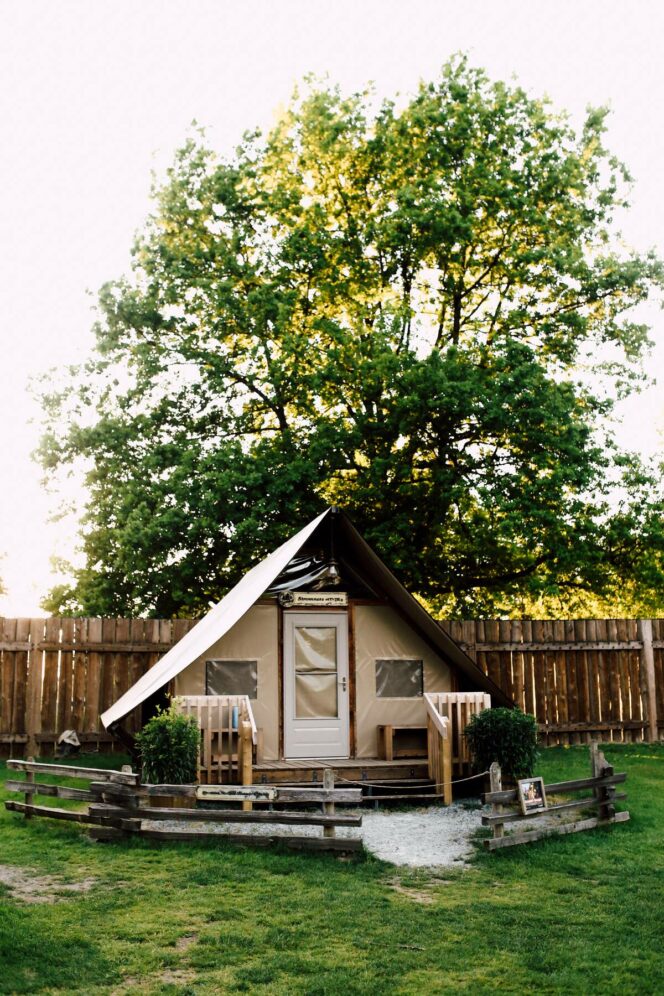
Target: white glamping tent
(328, 647)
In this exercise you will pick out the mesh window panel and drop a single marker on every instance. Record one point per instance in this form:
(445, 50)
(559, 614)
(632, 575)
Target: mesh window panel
(399, 679)
(315, 648)
(231, 678)
(316, 696)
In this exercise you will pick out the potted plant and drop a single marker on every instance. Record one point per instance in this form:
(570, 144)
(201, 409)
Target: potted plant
(169, 747)
(508, 736)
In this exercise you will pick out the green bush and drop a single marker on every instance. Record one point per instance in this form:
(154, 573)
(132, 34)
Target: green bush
(507, 736)
(169, 744)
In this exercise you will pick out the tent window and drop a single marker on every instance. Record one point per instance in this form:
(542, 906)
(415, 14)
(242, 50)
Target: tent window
(231, 678)
(399, 679)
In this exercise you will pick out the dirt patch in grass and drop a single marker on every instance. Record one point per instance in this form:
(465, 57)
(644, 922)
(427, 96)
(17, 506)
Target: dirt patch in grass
(416, 895)
(176, 976)
(30, 887)
(185, 942)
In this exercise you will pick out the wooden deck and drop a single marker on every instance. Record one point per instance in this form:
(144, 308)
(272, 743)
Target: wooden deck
(230, 747)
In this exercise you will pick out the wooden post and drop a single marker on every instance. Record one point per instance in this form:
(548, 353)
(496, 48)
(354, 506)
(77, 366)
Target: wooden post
(604, 794)
(328, 807)
(446, 752)
(594, 758)
(130, 801)
(648, 670)
(496, 786)
(260, 745)
(246, 759)
(29, 800)
(433, 761)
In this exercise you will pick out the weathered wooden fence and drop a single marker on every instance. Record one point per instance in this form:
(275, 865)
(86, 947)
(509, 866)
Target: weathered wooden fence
(583, 679)
(120, 805)
(59, 674)
(553, 819)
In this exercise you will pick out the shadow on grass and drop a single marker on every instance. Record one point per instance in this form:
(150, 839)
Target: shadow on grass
(38, 953)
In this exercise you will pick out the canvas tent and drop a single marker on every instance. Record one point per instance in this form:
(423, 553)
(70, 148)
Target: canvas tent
(325, 641)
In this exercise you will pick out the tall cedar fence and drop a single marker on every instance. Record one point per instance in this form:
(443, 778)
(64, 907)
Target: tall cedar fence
(583, 679)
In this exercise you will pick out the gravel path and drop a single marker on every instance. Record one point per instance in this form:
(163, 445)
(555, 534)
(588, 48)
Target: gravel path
(432, 837)
(438, 836)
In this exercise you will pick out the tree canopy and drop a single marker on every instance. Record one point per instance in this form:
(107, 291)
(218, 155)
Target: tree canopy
(393, 308)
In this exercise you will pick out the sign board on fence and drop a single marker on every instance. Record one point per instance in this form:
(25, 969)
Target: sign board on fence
(232, 793)
(323, 599)
(532, 796)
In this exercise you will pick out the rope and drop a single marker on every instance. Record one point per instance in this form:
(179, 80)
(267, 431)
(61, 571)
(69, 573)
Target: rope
(355, 781)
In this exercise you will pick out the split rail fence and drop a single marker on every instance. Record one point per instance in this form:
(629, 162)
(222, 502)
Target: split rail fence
(583, 679)
(552, 820)
(120, 806)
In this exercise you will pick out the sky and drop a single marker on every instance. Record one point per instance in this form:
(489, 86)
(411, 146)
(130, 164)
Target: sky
(96, 96)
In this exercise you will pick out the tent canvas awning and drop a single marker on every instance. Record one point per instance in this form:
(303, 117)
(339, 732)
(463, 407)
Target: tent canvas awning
(219, 620)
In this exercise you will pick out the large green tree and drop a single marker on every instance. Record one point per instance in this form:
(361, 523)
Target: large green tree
(391, 308)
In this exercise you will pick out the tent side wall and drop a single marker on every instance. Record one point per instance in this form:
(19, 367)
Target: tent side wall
(381, 633)
(255, 637)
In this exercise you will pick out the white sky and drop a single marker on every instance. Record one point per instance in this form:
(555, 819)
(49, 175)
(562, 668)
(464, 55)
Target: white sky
(94, 95)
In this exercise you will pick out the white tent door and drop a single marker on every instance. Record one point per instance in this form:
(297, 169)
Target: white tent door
(316, 684)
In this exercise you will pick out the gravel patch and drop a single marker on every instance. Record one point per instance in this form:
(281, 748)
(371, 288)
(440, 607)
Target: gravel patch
(435, 837)
(438, 836)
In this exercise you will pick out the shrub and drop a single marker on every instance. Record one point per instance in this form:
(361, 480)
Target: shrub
(169, 744)
(507, 736)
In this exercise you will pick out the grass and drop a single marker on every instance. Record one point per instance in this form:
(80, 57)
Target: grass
(580, 914)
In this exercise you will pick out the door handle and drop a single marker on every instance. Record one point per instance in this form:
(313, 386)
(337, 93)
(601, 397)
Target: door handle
(342, 682)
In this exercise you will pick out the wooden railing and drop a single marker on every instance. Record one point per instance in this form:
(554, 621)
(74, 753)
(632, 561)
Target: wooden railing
(228, 735)
(551, 820)
(439, 749)
(120, 806)
(459, 708)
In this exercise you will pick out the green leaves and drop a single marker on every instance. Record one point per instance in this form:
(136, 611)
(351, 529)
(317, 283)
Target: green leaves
(383, 308)
(507, 736)
(169, 745)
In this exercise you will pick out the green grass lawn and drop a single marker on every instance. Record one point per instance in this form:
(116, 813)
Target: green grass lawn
(577, 914)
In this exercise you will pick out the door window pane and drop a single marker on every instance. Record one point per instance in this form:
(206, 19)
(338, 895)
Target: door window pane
(315, 648)
(316, 695)
(399, 679)
(315, 672)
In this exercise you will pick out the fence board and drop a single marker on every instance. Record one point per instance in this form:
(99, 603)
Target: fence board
(20, 679)
(7, 674)
(66, 683)
(49, 699)
(93, 677)
(80, 679)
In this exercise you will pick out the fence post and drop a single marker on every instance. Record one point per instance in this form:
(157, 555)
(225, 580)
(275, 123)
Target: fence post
(496, 786)
(130, 801)
(648, 670)
(603, 793)
(328, 807)
(28, 797)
